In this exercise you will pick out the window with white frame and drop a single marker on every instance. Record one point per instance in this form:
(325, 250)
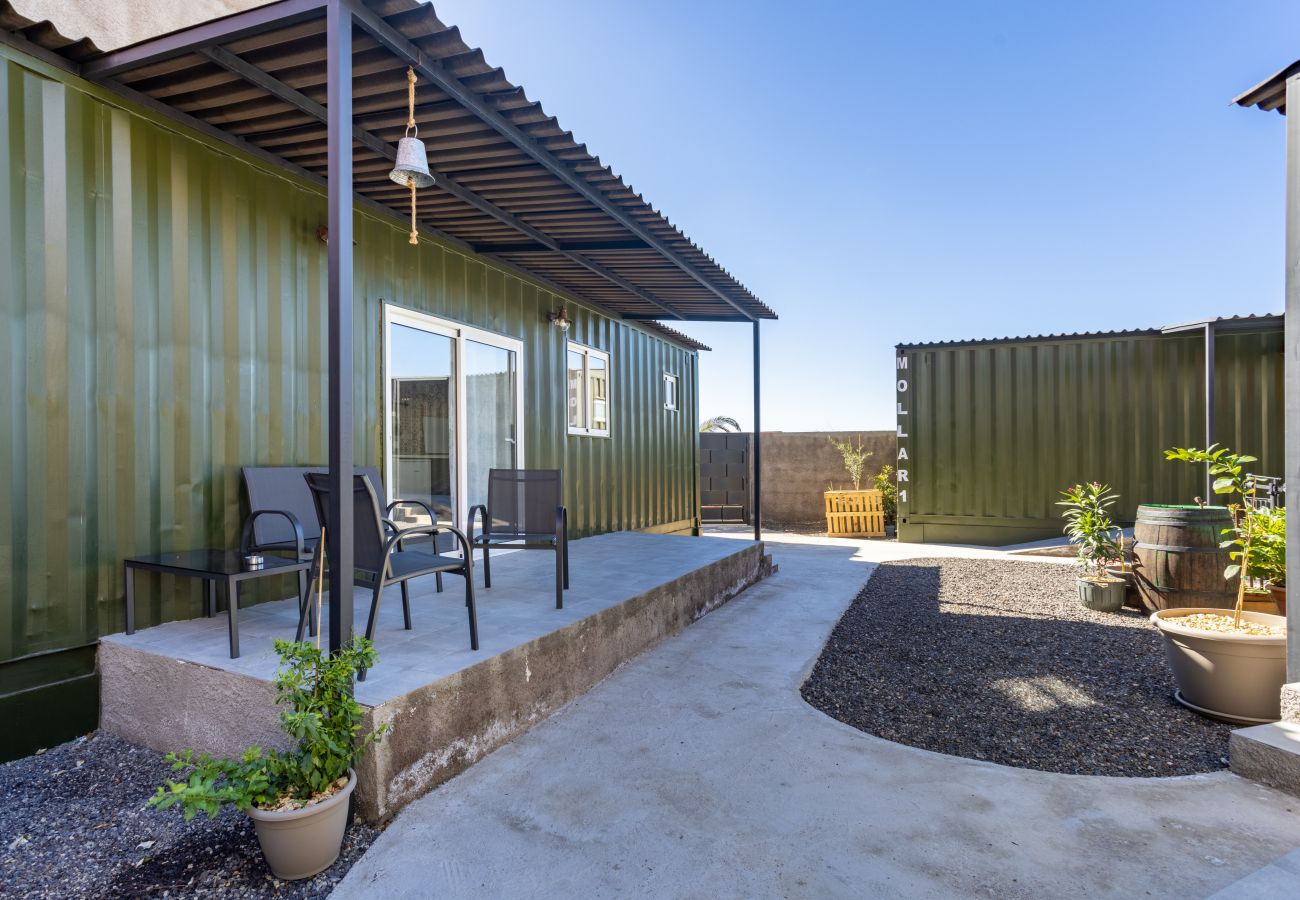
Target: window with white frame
(588, 392)
(670, 391)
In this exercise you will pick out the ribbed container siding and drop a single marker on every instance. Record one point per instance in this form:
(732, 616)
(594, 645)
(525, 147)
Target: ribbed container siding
(995, 431)
(164, 323)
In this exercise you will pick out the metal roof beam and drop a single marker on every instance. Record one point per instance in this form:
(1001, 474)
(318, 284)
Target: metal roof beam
(308, 106)
(431, 69)
(206, 34)
(573, 246)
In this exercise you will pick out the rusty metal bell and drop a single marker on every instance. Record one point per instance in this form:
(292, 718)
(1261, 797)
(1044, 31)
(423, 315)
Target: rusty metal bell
(412, 166)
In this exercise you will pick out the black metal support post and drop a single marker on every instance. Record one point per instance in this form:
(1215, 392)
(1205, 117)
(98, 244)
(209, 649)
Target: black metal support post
(338, 95)
(1209, 405)
(1291, 364)
(758, 441)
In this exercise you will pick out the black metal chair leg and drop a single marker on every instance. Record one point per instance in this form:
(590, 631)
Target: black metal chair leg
(559, 578)
(487, 568)
(370, 623)
(406, 604)
(469, 604)
(438, 578)
(566, 557)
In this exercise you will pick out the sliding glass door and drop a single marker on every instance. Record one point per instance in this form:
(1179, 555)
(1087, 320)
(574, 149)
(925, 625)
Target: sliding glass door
(491, 401)
(422, 418)
(453, 411)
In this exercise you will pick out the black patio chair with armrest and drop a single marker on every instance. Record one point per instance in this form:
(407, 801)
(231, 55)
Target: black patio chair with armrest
(525, 510)
(282, 517)
(379, 560)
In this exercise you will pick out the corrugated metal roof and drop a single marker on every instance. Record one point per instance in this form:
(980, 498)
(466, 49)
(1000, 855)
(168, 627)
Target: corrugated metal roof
(1270, 93)
(1252, 320)
(44, 34)
(541, 203)
(674, 335)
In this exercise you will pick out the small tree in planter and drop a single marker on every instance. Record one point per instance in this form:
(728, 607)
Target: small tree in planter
(855, 513)
(1230, 667)
(297, 798)
(1090, 527)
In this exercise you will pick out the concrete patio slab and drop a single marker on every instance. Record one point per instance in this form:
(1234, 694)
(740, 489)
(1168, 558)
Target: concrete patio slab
(175, 686)
(698, 771)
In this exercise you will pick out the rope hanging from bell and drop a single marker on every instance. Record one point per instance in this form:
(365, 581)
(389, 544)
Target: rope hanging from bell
(412, 166)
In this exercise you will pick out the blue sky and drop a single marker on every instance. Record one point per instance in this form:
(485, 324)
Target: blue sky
(899, 172)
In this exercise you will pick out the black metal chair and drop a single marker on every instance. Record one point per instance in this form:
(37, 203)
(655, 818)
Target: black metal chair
(379, 560)
(282, 517)
(525, 510)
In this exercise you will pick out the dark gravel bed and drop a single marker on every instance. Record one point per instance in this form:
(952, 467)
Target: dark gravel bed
(74, 824)
(997, 660)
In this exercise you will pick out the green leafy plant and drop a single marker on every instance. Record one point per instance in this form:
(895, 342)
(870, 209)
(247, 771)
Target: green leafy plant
(1228, 470)
(855, 459)
(322, 717)
(884, 482)
(1089, 525)
(1266, 531)
(720, 423)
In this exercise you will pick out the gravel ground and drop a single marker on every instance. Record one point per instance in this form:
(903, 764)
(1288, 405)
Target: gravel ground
(997, 660)
(74, 824)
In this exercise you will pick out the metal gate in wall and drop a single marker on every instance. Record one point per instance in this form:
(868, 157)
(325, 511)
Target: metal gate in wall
(724, 477)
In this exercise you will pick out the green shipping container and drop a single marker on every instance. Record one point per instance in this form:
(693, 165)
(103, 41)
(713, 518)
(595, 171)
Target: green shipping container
(163, 323)
(989, 432)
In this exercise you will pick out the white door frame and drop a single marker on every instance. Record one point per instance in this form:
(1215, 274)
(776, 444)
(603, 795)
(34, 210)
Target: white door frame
(459, 333)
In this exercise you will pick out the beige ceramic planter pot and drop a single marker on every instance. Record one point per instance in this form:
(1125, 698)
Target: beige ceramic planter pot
(1234, 677)
(300, 843)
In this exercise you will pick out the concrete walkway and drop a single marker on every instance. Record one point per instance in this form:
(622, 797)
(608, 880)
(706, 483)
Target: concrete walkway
(696, 770)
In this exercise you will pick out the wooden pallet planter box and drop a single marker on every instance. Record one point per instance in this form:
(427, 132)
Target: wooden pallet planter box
(855, 514)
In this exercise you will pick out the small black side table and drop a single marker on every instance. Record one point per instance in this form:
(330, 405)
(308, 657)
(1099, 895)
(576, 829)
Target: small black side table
(213, 566)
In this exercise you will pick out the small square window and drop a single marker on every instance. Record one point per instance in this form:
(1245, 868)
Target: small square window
(588, 391)
(670, 391)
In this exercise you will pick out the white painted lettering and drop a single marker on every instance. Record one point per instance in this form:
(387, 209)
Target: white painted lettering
(902, 453)
(902, 386)
(901, 411)
(901, 432)
(902, 496)
(902, 475)
(902, 362)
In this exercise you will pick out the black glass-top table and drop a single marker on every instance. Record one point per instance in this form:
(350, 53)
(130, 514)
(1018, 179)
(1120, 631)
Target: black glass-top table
(213, 566)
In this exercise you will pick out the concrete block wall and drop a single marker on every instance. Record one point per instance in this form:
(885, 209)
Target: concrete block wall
(798, 467)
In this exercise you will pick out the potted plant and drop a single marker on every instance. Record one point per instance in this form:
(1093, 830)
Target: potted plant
(297, 798)
(1089, 526)
(1268, 553)
(855, 513)
(884, 482)
(1230, 665)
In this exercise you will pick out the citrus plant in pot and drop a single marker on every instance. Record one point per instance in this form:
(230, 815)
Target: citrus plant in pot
(1228, 664)
(297, 798)
(1089, 526)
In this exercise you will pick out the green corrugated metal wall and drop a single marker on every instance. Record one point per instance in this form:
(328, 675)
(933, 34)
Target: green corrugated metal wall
(992, 432)
(163, 325)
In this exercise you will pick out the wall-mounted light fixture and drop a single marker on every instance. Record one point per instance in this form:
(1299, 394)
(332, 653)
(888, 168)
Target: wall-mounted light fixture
(559, 319)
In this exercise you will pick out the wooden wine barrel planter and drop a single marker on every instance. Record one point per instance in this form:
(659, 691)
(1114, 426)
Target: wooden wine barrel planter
(1177, 559)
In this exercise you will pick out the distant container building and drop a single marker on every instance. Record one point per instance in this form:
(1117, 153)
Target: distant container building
(989, 431)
